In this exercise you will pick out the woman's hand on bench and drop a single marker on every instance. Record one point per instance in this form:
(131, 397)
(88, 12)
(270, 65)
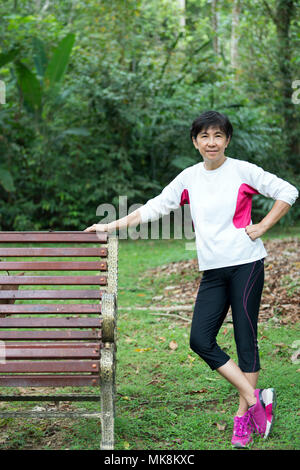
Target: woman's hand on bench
(97, 228)
(132, 219)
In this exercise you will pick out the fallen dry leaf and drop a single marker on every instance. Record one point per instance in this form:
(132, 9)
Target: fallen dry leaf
(178, 440)
(4, 438)
(154, 382)
(203, 390)
(173, 345)
(221, 426)
(295, 358)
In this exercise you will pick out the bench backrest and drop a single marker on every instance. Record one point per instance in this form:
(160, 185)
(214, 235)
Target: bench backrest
(57, 288)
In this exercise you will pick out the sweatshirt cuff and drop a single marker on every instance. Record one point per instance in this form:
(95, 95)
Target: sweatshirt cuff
(288, 199)
(144, 214)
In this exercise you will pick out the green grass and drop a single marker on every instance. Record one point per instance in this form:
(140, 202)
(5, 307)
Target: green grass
(168, 399)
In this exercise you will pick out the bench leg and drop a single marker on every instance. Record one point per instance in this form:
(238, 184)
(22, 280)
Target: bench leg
(107, 384)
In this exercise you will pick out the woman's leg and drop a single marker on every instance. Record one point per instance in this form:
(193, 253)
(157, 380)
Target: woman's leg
(211, 306)
(210, 309)
(252, 378)
(237, 378)
(246, 285)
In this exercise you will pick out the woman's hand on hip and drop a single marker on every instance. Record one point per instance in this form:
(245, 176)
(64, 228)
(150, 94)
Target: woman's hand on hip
(255, 231)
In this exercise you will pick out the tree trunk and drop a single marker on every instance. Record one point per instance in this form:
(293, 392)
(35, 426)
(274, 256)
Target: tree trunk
(215, 21)
(181, 6)
(284, 14)
(234, 32)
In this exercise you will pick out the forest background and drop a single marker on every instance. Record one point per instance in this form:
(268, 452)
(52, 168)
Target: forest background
(98, 97)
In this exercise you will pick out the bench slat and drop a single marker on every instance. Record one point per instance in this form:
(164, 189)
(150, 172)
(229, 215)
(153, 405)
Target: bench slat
(52, 353)
(51, 345)
(49, 335)
(49, 381)
(53, 266)
(40, 294)
(50, 308)
(63, 251)
(50, 322)
(53, 237)
(50, 366)
(53, 280)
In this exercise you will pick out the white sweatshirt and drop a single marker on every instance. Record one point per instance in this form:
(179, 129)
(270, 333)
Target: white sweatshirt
(220, 203)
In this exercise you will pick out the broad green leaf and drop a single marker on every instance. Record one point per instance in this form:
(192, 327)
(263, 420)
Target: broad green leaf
(8, 56)
(30, 87)
(59, 61)
(6, 180)
(76, 131)
(40, 57)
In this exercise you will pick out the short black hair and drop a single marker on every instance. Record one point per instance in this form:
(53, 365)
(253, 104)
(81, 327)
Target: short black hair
(211, 119)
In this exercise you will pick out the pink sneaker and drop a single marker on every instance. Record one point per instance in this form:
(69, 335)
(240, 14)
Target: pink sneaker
(262, 413)
(242, 431)
(270, 402)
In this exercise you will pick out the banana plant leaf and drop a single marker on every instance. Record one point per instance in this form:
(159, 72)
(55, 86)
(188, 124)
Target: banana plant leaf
(58, 63)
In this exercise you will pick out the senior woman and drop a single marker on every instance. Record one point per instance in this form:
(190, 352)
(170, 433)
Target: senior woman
(231, 255)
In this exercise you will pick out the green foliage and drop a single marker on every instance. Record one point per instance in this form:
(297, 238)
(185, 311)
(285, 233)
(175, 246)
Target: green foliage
(57, 65)
(87, 120)
(30, 88)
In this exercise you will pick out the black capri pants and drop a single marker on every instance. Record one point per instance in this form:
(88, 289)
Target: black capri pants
(237, 286)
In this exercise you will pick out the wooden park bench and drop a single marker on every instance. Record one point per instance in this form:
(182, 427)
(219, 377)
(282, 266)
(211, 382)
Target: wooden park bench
(58, 321)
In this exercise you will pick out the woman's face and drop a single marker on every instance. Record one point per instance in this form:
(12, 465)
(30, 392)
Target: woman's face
(211, 144)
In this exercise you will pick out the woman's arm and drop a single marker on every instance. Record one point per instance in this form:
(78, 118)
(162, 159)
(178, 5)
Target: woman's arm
(169, 199)
(130, 220)
(279, 209)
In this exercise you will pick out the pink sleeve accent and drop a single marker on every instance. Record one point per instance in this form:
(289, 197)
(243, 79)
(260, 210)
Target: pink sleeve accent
(242, 216)
(184, 197)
